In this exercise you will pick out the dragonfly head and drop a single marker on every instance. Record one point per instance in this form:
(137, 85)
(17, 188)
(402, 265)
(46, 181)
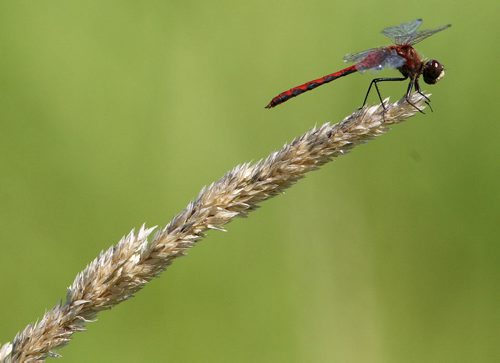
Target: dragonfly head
(433, 71)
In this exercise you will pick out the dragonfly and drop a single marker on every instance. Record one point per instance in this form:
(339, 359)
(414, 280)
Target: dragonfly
(401, 55)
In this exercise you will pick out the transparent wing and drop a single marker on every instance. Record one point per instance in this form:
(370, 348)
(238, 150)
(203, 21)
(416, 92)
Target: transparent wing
(421, 35)
(356, 57)
(375, 59)
(403, 33)
(392, 60)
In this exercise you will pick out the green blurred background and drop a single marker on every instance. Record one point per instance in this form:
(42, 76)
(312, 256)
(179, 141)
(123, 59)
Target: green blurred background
(115, 113)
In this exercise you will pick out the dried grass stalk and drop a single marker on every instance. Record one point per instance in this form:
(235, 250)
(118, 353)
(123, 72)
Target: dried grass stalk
(116, 274)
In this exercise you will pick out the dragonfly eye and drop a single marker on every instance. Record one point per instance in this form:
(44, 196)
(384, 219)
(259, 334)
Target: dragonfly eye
(433, 71)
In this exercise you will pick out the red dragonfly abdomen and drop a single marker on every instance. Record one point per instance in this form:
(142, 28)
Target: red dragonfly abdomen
(295, 91)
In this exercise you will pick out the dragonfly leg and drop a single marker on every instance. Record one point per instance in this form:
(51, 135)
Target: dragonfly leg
(427, 99)
(375, 82)
(408, 93)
